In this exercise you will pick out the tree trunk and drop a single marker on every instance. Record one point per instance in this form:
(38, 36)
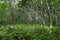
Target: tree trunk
(49, 13)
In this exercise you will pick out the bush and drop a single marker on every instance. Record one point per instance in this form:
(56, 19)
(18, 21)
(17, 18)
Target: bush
(29, 32)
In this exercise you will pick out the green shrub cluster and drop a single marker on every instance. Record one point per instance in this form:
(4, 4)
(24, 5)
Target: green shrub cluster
(29, 32)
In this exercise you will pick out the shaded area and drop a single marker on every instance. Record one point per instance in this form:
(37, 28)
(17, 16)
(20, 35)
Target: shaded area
(43, 12)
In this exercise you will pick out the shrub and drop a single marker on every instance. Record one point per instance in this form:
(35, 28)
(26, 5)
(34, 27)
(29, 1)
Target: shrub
(29, 32)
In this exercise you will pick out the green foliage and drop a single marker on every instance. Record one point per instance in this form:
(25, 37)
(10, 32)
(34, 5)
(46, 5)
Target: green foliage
(29, 32)
(24, 2)
(3, 6)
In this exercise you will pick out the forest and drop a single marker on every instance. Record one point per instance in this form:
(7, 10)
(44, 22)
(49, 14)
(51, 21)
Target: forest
(29, 19)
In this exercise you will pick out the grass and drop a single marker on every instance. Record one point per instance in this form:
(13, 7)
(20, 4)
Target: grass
(29, 32)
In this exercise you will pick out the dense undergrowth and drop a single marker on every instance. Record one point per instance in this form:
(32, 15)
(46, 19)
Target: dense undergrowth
(29, 32)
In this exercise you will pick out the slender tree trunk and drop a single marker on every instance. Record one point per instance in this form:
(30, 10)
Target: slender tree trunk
(11, 11)
(49, 13)
(43, 20)
(56, 21)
